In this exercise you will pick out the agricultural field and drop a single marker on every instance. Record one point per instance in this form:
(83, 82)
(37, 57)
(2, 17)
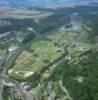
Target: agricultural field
(23, 13)
(40, 54)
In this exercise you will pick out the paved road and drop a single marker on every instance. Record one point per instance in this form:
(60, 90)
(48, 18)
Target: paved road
(64, 89)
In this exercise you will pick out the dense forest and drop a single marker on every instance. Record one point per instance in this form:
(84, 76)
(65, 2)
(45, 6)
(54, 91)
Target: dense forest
(87, 69)
(91, 20)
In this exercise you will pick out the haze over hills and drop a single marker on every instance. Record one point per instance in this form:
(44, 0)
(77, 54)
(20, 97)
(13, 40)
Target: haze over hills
(29, 2)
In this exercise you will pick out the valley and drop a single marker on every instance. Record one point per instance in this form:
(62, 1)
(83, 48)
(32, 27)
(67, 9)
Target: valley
(49, 54)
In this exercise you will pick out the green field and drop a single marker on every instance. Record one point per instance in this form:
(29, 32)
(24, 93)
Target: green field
(39, 55)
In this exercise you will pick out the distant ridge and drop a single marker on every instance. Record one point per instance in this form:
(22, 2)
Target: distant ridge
(15, 3)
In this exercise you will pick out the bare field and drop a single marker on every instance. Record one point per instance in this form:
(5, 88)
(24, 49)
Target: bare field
(22, 13)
